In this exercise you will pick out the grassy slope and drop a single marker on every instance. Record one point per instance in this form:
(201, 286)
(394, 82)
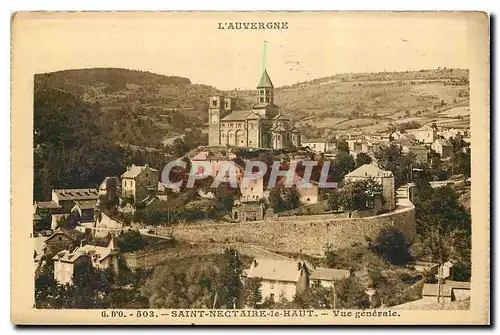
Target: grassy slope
(341, 102)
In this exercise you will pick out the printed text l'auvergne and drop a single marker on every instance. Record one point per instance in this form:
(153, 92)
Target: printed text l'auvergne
(280, 25)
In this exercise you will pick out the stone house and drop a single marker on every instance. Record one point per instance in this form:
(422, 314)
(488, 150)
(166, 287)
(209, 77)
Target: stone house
(385, 178)
(139, 182)
(443, 147)
(250, 211)
(317, 144)
(308, 192)
(100, 257)
(66, 197)
(426, 134)
(281, 279)
(63, 239)
(252, 190)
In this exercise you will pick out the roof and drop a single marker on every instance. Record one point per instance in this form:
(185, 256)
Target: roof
(329, 274)
(134, 170)
(265, 81)
(72, 234)
(426, 128)
(237, 115)
(273, 269)
(444, 143)
(77, 194)
(87, 250)
(87, 204)
(447, 287)
(369, 170)
(47, 205)
(315, 140)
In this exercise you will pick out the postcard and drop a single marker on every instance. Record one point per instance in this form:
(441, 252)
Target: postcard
(246, 168)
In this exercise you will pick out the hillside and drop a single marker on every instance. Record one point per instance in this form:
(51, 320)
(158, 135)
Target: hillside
(142, 108)
(372, 101)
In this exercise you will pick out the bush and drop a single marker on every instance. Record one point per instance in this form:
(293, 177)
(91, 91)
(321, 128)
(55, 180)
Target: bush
(391, 244)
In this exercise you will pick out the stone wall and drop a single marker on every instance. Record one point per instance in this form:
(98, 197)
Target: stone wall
(302, 234)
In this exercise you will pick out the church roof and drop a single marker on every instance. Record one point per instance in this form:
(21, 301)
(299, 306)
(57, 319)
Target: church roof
(236, 116)
(265, 81)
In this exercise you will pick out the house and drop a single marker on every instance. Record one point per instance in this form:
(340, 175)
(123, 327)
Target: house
(85, 210)
(385, 178)
(66, 197)
(217, 161)
(449, 291)
(139, 182)
(426, 134)
(42, 210)
(281, 278)
(317, 144)
(252, 190)
(249, 211)
(443, 147)
(100, 257)
(308, 192)
(63, 239)
(327, 277)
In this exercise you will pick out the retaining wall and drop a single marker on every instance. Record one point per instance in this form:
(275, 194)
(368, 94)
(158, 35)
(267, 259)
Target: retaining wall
(302, 234)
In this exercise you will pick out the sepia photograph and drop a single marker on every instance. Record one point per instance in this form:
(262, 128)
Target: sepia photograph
(250, 167)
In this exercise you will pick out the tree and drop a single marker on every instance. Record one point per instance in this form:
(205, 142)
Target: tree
(342, 146)
(342, 165)
(392, 158)
(253, 291)
(362, 158)
(283, 198)
(130, 241)
(359, 195)
(443, 225)
(350, 294)
(224, 196)
(334, 200)
(230, 288)
(391, 244)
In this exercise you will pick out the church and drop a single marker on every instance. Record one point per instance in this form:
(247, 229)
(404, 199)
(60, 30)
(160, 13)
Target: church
(261, 127)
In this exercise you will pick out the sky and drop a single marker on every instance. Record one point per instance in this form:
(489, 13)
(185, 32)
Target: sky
(315, 45)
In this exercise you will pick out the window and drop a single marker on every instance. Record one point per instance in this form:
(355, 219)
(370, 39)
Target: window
(214, 102)
(261, 99)
(267, 99)
(271, 296)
